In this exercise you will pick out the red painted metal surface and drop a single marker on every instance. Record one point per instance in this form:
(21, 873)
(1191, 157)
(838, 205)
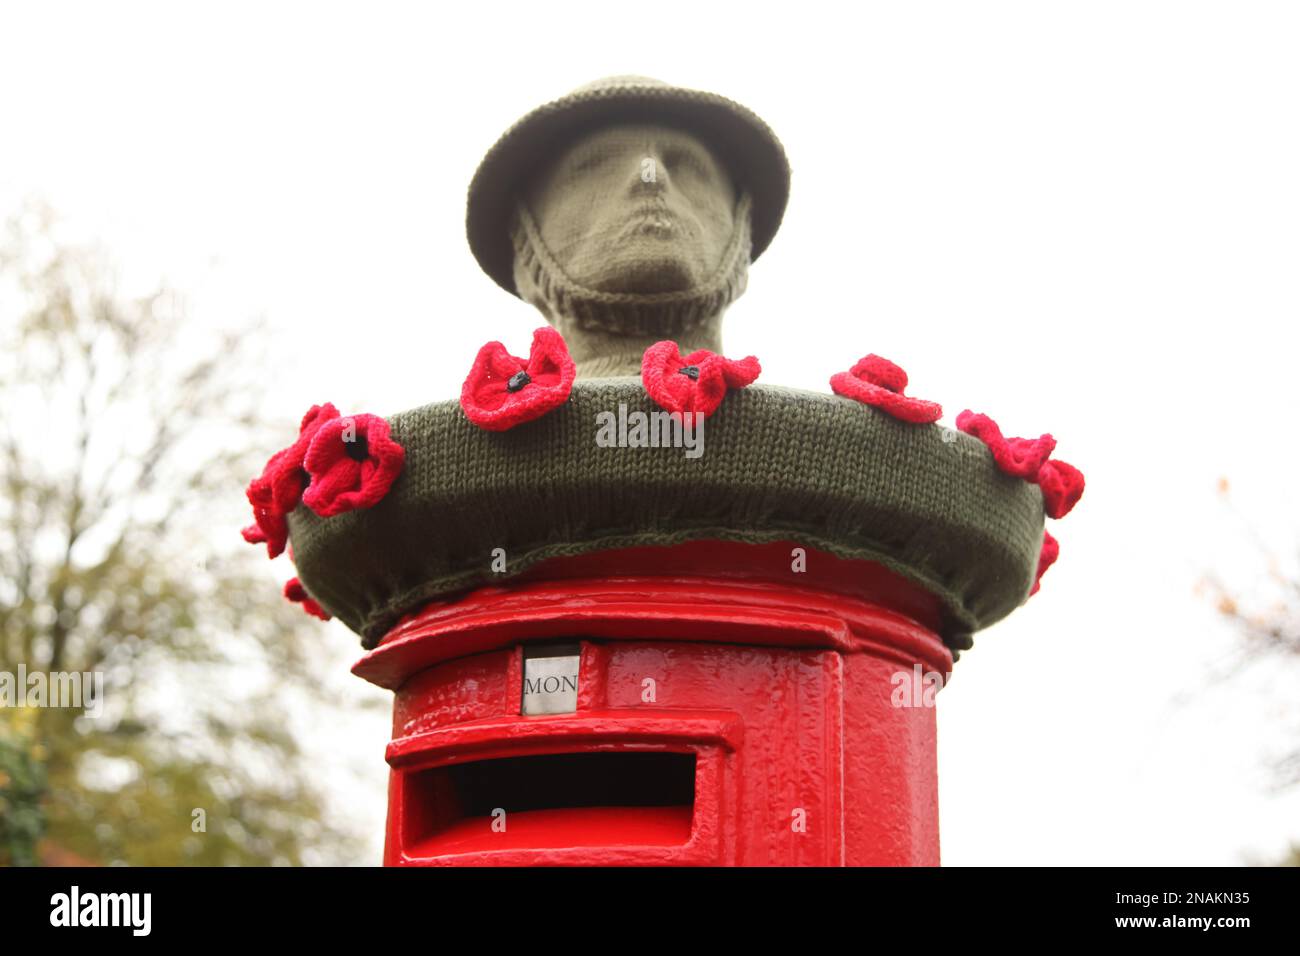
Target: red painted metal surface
(740, 718)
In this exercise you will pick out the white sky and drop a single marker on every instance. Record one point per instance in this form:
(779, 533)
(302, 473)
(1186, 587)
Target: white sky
(1082, 219)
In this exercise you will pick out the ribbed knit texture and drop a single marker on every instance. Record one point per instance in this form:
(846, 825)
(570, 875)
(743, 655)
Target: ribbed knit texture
(778, 464)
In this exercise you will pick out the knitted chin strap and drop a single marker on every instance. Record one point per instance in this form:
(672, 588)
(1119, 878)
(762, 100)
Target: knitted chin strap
(608, 332)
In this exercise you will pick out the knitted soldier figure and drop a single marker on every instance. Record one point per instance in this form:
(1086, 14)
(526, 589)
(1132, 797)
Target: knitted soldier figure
(628, 213)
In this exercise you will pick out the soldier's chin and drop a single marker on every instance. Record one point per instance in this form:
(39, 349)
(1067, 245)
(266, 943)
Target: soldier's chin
(641, 270)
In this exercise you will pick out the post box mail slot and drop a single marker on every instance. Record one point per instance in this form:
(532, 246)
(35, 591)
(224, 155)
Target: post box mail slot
(578, 799)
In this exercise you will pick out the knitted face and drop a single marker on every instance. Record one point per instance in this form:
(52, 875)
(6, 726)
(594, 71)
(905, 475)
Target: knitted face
(635, 209)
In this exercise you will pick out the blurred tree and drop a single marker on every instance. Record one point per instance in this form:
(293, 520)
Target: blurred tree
(126, 439)
(1267, 623)
(22, 786)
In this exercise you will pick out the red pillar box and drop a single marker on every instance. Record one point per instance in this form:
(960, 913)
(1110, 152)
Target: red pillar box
(628, 656)
(744, 721)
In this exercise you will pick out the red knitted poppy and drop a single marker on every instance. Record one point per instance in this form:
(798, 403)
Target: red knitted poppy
(352, 462)
(1047, 556)
(270, 529)
(503, 391)
(276, 491)
(295, 592)
(695, 383)
(1062, 486)
(269, 526)
(878, 382)
(1019, 457)
(285, 471)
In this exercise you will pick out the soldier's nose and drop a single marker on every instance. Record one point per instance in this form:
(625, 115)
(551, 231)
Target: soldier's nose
(649, 177)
